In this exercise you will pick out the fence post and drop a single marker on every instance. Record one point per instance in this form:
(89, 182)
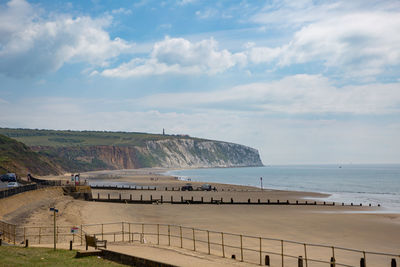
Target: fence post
(241, 248)
(40, 232)
(81, 234)
(393, 263)
(208, 241)
(102, 231)
(24, 233)
(180, 230)
(194, 241)
(260, 252)
(169, 235)
(300, 261)
(282, 253)
(129, 232)
(223, 246)
(15, 232)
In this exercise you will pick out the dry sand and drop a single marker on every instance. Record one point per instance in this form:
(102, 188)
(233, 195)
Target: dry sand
(351, 227)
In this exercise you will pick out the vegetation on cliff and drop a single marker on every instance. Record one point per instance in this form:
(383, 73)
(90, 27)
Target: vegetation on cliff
(18, 158)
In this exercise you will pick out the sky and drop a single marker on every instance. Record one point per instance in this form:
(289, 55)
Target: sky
(303, 82)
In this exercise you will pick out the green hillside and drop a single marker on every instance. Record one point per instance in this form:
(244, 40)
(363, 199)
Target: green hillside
(18, 158)
(53, 138)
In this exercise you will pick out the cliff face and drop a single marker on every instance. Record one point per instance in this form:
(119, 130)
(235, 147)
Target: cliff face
(171, 153)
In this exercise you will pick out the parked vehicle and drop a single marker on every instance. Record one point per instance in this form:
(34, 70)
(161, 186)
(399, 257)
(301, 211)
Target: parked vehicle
(205, 187)
(187, 187)
(8, 177)
(12, 184)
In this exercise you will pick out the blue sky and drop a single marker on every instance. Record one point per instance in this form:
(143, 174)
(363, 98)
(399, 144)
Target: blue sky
(302, 81)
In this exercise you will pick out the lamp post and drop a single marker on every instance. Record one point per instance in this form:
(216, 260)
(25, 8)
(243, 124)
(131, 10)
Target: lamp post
(55, 211)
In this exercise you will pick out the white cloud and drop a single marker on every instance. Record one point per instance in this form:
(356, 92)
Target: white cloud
(30, 44)
(185, 2)
(122, 10)
(299, 94)
(180, 56)
(352, 38)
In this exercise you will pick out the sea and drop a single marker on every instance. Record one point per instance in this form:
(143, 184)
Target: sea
(366, 184)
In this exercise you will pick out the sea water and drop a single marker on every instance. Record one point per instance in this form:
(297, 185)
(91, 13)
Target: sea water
(375, 184)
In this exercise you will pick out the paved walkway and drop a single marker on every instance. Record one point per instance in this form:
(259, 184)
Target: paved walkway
(165, 254)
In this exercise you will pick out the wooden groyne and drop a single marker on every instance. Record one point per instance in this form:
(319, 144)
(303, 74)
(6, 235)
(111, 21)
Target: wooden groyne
(213, 201)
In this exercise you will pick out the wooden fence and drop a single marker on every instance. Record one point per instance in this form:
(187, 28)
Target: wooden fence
(252, 249)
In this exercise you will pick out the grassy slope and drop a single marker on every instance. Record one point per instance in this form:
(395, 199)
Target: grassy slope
(17, 157)
(54, 138)
(17, 256)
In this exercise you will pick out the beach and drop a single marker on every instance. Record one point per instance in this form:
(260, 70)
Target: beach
(356, 227)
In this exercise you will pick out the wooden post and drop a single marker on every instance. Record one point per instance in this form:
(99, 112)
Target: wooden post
(223, 246)
(282, 253)
(15, 233)
(172, 199)
(202, 200)
(260, 252)
(241, 248)
(141, 197)
(108, 196)
(130, 197)
(102, 231)
(98, 195)
(129, 230)
(267, 261)
(182, 199)
(194, 241)
(393, 263)
(169, 235)
(180, 230)
(81, 234)
(40, 233)
(208, 241)
(161, 199)
(24, 233)
(300, 261)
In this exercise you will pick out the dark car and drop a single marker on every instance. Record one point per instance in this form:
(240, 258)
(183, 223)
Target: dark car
(9, 177)
(205, 187)
(187, 187)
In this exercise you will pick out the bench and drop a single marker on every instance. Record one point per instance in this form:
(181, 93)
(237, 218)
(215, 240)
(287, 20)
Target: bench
(94, 242)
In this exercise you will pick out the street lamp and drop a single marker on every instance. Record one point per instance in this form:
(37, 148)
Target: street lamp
(55, 211)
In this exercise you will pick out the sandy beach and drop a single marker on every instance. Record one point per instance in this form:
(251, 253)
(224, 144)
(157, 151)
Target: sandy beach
(355, 227)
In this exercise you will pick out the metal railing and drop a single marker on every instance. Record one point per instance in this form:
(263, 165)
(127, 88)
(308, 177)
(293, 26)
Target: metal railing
(246, 248)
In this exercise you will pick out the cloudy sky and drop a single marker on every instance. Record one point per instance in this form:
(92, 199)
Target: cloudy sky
(302, 81)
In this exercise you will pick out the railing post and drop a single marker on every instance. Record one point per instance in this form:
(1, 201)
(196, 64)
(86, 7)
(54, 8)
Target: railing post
(142, 239)
(180, 230)
(333, 261)
(169, 235)
(158, 234)
(305, 254)
(223, 246)
(208, 241)
(194, 240)
(282, 253)
(123, 233)
(260, 252)
(241, 248)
